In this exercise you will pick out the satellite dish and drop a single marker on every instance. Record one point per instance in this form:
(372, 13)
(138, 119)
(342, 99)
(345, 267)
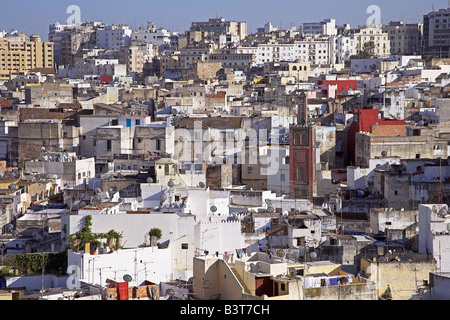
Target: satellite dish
(163, 197)
(280, 253)
(258, 265)
(39, 238)
(81, 196)
(295, 256)
(96, 200)
(83, 204)
(121, 200)
(288, 256)
(270, 209)
(313, 255)
(252, 267)
(382, 259)
(14, 164)
(139, 199)
(434, 209)
(383, 154)
(149, 180)
(201, 185)
(170, 184)
(9, 227)
(97, 190)
(213, 208)
(368, 230)
(170, 293)
(292, 271)
(15, 233)
(35, 234)
(127, 278)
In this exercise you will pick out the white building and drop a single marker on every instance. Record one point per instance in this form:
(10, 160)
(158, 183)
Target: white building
(278, 177)
(218, 236)
(94, 67)
(62, 165)
(360, 178)
(343, 48)
(157, 37)
(113, 37)
(325, 27)
(312, 50)
(150, 263)
(434, 234)
(170, 263)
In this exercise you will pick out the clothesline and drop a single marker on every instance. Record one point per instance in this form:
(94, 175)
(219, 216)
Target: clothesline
(317, 282)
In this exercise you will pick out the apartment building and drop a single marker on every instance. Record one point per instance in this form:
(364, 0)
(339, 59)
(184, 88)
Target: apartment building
(218, 31)
(230, 59)
(405, 39)
(160, 38)
(376, 35)
(48, 95)
(312, 50)
(325, 27)
(436, 33)
(36, 136)
(21, 54)
(342, 48)
(136, 56)
(113, 37)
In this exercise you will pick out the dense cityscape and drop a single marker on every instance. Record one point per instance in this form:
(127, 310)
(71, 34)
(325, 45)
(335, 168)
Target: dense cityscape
(218, 163)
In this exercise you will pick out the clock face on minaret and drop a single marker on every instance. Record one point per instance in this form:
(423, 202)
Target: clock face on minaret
(302, 151)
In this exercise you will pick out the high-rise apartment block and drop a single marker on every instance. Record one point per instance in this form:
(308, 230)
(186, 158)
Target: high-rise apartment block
(22, 53)
(436, 33)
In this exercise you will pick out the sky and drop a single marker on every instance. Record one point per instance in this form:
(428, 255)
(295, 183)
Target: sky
(34, 16)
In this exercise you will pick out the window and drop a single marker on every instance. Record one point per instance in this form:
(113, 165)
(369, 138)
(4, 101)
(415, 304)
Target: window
(138, 122)
(108, 145)
(249, 170)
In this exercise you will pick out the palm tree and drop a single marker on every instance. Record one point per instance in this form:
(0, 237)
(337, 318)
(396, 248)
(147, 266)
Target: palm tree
(155, 234)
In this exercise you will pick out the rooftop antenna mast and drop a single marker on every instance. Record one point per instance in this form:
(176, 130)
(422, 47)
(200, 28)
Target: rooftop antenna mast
(440, 179)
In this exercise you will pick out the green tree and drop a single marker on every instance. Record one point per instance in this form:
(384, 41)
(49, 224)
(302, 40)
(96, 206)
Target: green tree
(155, 234)
(367, 52)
